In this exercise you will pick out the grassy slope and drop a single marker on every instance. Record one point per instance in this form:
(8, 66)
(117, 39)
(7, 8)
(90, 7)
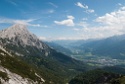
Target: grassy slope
(17, 66)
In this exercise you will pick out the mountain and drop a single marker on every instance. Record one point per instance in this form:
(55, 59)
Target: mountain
(98, 76)
(54, 66)
(59, 48)
(19, 35)
(15, 71)
(73, 45)
(113, 47)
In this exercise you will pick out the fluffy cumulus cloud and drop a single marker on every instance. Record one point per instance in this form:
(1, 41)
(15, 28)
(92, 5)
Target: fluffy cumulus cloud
(87, 10)
(67, 22)
(110, 24)
(113, 18)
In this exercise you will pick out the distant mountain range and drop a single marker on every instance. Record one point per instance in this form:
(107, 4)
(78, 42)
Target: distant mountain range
(53, 66)
(113, 47)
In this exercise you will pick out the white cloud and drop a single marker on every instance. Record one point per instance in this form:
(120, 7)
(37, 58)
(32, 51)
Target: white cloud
(70, 17)
(67, 38)
(67, 22)
(113, 18)
(100, 32)
(76, 29)
(84, 19)
(83, 24)
(24, 22)
(81, 5)
(53, 4)
(110, 24)
(62, 38)
(38, 25)
(12, 2)
(90, 11)
(87, 10)
(119, 4)
(42, 38)
(13, 21)
(51, 11)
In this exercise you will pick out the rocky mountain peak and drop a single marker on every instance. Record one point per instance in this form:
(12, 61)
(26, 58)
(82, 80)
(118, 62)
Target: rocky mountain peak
(14, 31)
(19, 26)
(19, 35)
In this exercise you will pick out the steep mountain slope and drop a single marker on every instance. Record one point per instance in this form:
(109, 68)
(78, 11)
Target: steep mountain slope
(15, 71)
(54, 66)
(59, 48)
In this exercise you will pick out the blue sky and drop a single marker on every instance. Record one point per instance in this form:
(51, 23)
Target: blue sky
(65, 19)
